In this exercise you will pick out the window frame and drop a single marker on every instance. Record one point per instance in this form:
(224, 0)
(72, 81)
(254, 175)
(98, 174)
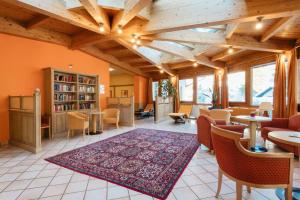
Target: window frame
(251, 80)
(196, 94)
(193, 88)
(245, 92)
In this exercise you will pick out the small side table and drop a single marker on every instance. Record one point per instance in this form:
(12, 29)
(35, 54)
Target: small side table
(94, 115)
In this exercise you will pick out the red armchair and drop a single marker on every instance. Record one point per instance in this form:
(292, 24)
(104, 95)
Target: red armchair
(259, 170)
(281, 124)
(204, 129)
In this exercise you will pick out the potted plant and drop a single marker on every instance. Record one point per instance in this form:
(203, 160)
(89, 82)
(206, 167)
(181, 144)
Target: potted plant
(214, 98)
(167, 89)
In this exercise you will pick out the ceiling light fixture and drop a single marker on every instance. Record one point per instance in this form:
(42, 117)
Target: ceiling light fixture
(132, 40)
(111, 69)
(101, 27)
(230, 50)
(195, 64)
(119, 30)
(135, 46)
(70, 66)
(159, 67)
(259, 23)
(138, 42)
(161, 71)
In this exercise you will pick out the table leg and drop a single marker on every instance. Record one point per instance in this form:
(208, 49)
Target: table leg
(252, 132)
(94, 123)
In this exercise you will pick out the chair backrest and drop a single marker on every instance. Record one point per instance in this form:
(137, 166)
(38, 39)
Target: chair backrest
(294, 122)
(186, 109)
(220, 114)
(203, 130)
(148, 108)
(111, 112)
(241, 110)
(243, 165)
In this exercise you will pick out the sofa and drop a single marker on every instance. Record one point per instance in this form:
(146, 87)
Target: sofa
(204, 123)
(281, 124)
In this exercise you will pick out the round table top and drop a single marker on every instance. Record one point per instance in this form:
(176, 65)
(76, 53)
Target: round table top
(288, 137)
(253, 119)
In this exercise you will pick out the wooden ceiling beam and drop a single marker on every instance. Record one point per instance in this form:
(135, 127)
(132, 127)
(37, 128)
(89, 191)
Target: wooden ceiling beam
(56, 9)
(279, 25)
(86, 38)
(36, 21)
(97, 13)
(230, 30)
(225, 54)
(237, 41)
(94, 51)
(166, 16)
(182, 52)
(131, 9)
(151, 56)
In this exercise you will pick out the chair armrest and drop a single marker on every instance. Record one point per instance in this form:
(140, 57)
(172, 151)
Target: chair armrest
(277, 123)
(235, 128)
(220, 122)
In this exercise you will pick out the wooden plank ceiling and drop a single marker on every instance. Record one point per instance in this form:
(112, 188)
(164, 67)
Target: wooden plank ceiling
(146, 37)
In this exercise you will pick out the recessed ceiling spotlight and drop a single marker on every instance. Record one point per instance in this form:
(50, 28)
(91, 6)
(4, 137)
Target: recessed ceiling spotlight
(135, 46)
(230, 50)
(161, 71)
(138, 42)
(70, 66)
(111, 69)
(132, 40)
(101, 27)
(195, 64)
(259, 23)
(119, 30)
(136, 36)
(158, 66)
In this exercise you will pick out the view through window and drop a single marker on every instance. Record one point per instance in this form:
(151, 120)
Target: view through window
(186, 90)
(262, 83)
(154, 89)
(205, 88)
(236, 86)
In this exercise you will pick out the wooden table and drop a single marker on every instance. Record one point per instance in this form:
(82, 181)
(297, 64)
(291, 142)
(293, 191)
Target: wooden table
(94, 115)
(252, 125)
(286, 138)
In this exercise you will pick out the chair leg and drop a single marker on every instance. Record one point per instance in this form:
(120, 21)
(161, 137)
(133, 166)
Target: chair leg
(68, 133)
(83, 133)
(238, 191)
(220, 176)
(288, 193)
(117, 124)
(50, 133)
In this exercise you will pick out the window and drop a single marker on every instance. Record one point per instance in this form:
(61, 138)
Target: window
(154, 90)
(186, 90)
(262, 83)
(205, 89)
(236, 87)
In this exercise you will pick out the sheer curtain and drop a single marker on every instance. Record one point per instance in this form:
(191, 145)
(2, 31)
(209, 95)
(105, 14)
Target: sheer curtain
(292, 84)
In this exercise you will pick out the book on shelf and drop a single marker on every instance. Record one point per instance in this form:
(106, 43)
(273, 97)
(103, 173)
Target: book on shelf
(64, 107)
(64, 87)
(84, 88)
(83, 106)
(87, 80)
(64, 78)
(64, 97)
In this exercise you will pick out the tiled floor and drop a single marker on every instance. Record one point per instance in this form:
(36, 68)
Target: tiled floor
(25, 176)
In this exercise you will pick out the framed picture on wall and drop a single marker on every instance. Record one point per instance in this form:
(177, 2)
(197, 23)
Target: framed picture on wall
(124, 93)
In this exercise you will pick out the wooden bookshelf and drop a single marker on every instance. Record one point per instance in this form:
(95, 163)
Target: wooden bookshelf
(65, 92)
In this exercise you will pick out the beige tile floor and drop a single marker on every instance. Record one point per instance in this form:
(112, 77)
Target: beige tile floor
(25, 176)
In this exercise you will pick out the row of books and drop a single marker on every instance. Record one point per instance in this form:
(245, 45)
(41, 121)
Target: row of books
(86, 97)
(87, 80)
(64, 97)
(64, 107)
(64, 78)
(84, 88)
(64, 88)
(86, 106)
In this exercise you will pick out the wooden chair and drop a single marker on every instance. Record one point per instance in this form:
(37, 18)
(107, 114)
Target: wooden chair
(260, 170)
(46, 124)
(111, 116)
(78, 121)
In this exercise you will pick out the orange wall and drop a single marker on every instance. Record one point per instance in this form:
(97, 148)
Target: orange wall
(140, 91)
(22, 61)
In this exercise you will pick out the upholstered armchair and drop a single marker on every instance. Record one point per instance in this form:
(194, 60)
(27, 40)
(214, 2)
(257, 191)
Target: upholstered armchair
(77, 121)
(111, 116)
(204, 123)
(260, 170)
(281, 124)
(220, 114)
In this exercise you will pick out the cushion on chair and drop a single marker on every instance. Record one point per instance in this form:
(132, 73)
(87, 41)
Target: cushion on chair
(294, 122)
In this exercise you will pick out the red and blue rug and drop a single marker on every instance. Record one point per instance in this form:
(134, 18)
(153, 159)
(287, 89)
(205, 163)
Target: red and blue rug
(145, 160)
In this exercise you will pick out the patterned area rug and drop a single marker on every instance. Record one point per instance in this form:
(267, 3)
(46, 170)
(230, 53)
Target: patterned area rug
(145, 160)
